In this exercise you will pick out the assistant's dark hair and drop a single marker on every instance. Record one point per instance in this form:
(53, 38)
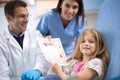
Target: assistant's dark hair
(11, 5)
(80, 11)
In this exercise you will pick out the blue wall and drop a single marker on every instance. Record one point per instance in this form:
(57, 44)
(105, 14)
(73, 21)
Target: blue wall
(92, 5)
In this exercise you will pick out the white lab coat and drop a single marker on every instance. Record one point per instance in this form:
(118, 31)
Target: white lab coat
(14, 60)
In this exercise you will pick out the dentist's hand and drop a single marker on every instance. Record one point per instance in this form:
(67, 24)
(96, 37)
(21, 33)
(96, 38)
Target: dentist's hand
(31, 75)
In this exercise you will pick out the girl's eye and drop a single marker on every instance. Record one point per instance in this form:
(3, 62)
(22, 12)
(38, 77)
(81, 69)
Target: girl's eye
(91, 41)
(83, 41)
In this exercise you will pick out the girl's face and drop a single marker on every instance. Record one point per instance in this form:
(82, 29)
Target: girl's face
(88, 45)
(69, 9)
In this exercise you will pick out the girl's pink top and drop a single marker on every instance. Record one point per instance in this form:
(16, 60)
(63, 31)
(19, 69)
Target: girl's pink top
(78, 67)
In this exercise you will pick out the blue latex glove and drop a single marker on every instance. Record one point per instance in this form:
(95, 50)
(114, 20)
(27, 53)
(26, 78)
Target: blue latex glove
(31, 75)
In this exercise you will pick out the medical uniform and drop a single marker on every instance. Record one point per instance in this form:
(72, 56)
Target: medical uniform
(14, 60)
(50, 24)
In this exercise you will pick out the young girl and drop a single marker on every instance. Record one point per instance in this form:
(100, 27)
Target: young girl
(89, 59)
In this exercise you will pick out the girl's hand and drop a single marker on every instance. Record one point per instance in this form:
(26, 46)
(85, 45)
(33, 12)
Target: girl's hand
(55, 68)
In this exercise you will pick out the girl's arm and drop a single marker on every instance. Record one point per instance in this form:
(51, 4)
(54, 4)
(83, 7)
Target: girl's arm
(91, 69)
(87, 74)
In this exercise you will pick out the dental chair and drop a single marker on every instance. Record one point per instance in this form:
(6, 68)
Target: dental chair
(108, 22)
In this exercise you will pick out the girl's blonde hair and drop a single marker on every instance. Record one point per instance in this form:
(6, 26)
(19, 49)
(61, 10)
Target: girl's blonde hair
(101, 49)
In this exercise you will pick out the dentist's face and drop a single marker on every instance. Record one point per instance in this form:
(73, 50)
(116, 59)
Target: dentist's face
(18, 22)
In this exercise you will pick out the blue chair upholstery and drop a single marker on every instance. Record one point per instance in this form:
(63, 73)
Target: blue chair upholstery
(116, 78)
(108, 22)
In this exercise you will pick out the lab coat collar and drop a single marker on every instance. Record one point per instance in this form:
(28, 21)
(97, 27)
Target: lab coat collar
(13, 33)
(11, 39)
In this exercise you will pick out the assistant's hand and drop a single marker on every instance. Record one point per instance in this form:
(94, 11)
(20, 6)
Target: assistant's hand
(48, 37)
(31, 75)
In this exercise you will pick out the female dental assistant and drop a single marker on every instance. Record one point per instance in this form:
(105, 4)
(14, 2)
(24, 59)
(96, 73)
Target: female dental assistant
(66, 22)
